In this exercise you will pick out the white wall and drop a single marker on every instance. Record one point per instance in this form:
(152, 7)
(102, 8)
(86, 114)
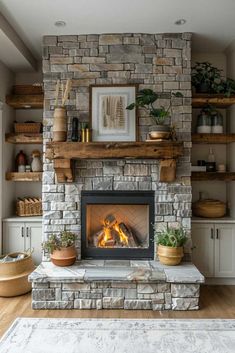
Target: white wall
(231, 73)
(7, 189)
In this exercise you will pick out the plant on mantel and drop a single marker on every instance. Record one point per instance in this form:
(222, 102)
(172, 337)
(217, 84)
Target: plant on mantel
(61, 248)
(170, 242)
(146, 98)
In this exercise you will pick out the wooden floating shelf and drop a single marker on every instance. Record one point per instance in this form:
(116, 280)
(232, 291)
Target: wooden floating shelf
(24, 138)
(213, 138)
(29, 101)
(210, 176)
(27, 176)
(201, 100)
(64, 152)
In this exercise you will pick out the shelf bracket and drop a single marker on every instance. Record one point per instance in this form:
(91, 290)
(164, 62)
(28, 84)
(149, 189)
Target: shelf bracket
(63, 170)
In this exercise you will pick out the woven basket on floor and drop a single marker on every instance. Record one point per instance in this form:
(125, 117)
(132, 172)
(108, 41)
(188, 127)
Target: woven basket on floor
(14, 276)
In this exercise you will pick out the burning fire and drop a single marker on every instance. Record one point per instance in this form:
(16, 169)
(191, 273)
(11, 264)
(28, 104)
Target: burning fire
(108, 237)
(114, 234)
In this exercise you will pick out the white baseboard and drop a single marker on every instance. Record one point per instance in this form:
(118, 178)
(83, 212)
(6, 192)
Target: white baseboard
(221, 281)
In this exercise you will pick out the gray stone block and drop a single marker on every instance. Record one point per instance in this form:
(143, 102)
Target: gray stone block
(50, 40)
(113, 302)
(119, 185)
(157, 307)
(113, 292)
(84, 304)
(147, 288)
(136, 170)
(38, 305)
(185, 290)
(158, 298)
(58, 293)
(185, 303)
(67, 295)
(76, 286)
(130, 293)
(38, 285)
(137, 304)
(110, 39)
(102, 183)
(65, 305)
(43, 294)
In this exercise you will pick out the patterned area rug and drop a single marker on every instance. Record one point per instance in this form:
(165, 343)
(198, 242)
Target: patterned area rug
(119, 336)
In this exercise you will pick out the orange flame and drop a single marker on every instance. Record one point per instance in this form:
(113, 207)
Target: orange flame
(107, 239)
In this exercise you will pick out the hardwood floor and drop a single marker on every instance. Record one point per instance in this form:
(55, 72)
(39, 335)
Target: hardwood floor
(216, 302)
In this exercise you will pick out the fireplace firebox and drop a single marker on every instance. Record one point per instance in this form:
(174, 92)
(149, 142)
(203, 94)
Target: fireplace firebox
(117, 224)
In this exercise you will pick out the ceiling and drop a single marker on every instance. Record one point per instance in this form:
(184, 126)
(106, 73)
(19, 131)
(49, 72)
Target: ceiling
(211, 21)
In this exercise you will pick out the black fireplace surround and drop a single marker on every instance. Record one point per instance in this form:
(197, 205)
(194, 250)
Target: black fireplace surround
(112, 198)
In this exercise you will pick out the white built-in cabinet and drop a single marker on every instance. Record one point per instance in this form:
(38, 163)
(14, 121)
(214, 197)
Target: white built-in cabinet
(214, 248)
(23, 236)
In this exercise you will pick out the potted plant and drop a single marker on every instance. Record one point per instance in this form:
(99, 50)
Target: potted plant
(61, 248)
(145, 99)
(170, 242)
(205, 77)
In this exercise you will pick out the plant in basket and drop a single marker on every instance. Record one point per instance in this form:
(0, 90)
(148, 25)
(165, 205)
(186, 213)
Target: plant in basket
(170, 242)
(61, 248)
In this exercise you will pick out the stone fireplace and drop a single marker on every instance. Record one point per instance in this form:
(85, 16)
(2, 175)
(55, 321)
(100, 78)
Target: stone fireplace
(96, 206)
(117, 224)
(158, 61)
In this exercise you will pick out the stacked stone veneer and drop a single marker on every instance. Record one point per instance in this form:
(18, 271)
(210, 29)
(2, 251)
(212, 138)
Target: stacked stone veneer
(111, 295)
(116, 284)
(158, 61)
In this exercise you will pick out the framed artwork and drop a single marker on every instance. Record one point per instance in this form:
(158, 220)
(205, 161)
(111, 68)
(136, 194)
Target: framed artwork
(109, 118)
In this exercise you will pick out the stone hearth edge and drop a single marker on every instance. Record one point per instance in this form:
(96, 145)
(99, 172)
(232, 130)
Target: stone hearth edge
(114, 284)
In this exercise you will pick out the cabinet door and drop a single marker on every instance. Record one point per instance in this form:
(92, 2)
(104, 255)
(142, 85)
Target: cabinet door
(13, 237)
(224, 250)
(203, 248)
(34, 240)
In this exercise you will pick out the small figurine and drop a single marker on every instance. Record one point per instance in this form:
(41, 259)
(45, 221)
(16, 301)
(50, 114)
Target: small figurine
(36, 164)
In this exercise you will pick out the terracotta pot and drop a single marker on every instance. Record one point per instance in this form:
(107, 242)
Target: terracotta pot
(159, 132)
(14, 276)
(64, 256)
(60, 125)
(170, 256)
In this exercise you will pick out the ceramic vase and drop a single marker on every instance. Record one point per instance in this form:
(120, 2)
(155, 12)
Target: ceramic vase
(60, 125)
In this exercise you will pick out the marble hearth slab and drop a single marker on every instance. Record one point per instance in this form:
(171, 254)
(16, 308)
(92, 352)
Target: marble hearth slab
(119, 336)
(116, 270)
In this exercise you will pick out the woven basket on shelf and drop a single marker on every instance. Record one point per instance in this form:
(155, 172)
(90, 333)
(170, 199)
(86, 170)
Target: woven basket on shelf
(30, 206)
(33, 128)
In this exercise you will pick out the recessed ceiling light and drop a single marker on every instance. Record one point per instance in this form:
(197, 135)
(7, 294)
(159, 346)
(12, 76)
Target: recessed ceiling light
(180, 22)
(60, 23)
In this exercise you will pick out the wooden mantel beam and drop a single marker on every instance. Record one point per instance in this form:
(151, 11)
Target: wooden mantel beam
(103, 150)
(64, 152)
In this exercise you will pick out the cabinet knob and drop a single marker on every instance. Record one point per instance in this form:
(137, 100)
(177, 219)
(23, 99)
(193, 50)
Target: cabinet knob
(217, 233)
(22, 232)
(27, 232)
